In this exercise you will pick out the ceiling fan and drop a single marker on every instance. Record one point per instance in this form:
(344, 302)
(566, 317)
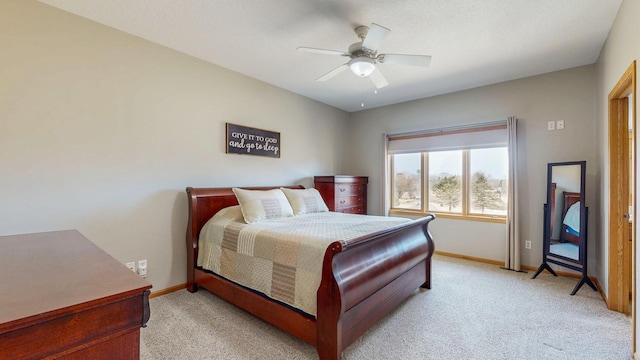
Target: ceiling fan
(364, 56)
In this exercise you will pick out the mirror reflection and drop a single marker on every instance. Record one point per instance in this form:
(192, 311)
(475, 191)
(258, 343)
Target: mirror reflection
(565, 221)
(565, 208)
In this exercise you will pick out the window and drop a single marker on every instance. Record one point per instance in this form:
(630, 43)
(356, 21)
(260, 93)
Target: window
(488, 186)
(459, 183)
(458, 172)
(445, 181)
(406, 191)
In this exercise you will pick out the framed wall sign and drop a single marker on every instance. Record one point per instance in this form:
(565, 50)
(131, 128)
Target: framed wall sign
(251, 141)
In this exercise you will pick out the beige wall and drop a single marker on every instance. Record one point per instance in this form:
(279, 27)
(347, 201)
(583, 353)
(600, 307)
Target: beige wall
(621, 49)
(102, 131)
(565, 95)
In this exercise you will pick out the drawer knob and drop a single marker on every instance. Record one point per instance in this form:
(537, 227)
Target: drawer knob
(342, 189)
(342, 201)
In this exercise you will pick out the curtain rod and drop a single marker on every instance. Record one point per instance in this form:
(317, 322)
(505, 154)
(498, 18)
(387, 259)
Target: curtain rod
(449, 129)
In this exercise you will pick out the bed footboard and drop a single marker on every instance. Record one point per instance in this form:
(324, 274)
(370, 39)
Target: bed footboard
(364, 279)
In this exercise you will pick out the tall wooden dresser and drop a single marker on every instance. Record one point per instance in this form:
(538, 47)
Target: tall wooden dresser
(342, 193)
(62, 297)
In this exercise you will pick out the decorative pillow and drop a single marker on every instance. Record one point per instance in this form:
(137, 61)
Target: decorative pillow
(258, 205)
(304, 201)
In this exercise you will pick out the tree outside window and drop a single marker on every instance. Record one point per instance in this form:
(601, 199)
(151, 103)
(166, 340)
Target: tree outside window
(488, 187)
(448, 190)
(466, 183)
(445, 181)
(406, 181)
(483, 194)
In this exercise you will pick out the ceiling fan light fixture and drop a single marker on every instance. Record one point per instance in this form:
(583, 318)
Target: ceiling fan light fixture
(362, 66)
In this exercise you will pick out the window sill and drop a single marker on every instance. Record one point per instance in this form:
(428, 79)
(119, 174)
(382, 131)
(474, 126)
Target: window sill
(491, 219)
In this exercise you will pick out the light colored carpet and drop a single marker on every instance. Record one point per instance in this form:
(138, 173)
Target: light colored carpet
(473, 311)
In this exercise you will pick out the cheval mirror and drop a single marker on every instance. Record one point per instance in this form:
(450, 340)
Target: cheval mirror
(565, 221)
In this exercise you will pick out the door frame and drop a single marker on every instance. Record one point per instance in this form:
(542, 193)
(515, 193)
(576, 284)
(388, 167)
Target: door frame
(619, 171)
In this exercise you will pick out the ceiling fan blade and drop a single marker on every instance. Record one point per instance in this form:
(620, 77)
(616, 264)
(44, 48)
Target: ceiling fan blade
(401, 59)
(375, 36)
(322, 51)
(378, 80)
(333, 72)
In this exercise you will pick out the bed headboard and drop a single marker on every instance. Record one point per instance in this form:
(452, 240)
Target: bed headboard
(203, 204)
(206, 202)
(570, 198)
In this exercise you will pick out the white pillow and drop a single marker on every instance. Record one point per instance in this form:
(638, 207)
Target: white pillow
(304, 201)
(258, 205)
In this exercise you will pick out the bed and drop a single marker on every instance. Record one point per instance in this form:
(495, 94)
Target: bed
(570, 231)
(362, 280)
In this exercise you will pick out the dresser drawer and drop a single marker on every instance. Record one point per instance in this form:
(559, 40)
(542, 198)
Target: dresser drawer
(347, 189)
(352, 210)
(347, 201)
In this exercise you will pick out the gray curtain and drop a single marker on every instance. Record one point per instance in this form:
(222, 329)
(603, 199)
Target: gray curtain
(512, 253)
(386, 186)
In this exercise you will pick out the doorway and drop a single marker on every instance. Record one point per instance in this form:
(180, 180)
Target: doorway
(622, 195)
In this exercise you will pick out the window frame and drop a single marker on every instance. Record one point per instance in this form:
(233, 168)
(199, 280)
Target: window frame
(466, 213)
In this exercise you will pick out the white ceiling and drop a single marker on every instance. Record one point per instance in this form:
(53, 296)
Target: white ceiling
(472, 42)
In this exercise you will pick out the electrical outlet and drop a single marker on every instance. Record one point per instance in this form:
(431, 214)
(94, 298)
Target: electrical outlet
(527, 244)
(131, 266)
(551, 125)
(142, 268)
(560, 125)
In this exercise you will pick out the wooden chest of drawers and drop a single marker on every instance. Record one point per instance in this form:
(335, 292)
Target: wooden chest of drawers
(62, 297)
(347, 194)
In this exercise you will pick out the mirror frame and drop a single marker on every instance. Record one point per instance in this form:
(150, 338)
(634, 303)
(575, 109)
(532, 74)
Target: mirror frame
(582, 244)
(549, 257)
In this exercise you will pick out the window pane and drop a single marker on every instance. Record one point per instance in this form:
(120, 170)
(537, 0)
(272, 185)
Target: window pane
(445, 181)
(488, 187)
(406, 181)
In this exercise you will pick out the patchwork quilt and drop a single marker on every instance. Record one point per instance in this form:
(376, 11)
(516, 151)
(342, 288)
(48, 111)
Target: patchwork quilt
(281, 258)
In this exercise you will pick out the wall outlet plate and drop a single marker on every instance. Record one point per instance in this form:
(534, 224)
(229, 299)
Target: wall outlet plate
(142, 268)
(131, 266)
(527, 244)
(551, 125)
(560, 125)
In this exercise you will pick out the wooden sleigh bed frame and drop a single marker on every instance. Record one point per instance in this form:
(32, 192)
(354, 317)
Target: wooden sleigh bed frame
(362, 279)
(570, 198)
